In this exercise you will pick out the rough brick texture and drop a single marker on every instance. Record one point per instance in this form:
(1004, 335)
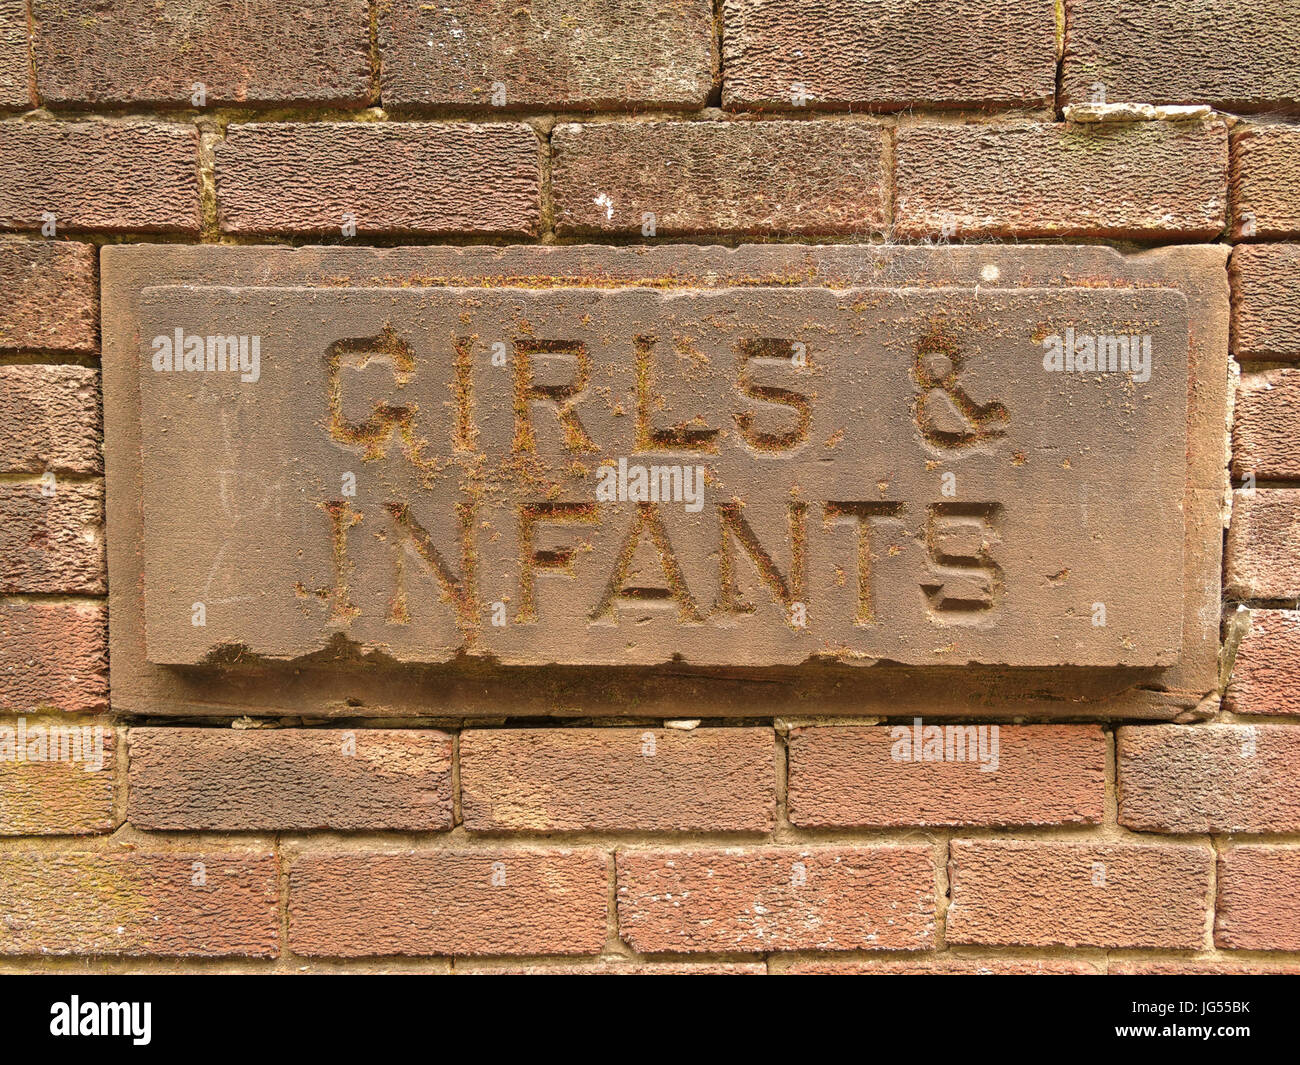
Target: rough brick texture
(113, 176)
(1265, 304)
(1266, 424)
(788, 53)
(1263, 548)
(51, 296)
(240, 51)
(285, 779)
(14, 65)
(449, 902)
(1044, 775)
(943, 966)
(1259, 908)
(1212, 778)
(49, 420)
(1039, 893)
(53, 656)
(1167, 51)
(777, 898)
(1140, 179)
(417, 177)
(1265, 182)
(714, 177)
(618, 780)
(52, 543)
(1268, 661)
(202, 903)
(54, 781)
(552, 53)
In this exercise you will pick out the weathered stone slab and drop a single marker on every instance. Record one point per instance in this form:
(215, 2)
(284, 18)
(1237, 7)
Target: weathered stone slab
(437, 454)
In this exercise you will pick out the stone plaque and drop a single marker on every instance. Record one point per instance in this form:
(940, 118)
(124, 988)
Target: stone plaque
(719, 469)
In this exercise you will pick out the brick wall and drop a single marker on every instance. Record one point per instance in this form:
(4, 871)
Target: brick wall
(693, 844)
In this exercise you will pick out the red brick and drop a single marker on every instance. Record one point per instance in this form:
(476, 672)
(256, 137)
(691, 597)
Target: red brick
(137, 903)
(1045, 774)
(1166, 51)
(552, 53)
(618, 780)
(1041, 893)
(52, 544)
(242, 51)
(1259, 907)
(53, 656)
(51, 296)
(1138, 179)
(226, 780)
(719, 177)
(1210, 778)
(1265, 307)
(445, 902)
(1193, 967)
(14, 64)
(944, 965)
(1265, 182)
(617, 968)
(1268, 661)
(48, 792)
(777, 898)
(409, 177)
(946, 53)
(49, 419)
(1263, 548)
(112, 176)
(1265, 425)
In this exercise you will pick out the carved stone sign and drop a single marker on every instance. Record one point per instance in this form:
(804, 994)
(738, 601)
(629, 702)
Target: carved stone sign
(723, 471)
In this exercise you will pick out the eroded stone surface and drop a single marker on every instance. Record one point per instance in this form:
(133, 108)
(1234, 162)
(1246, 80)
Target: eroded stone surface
(734, 476)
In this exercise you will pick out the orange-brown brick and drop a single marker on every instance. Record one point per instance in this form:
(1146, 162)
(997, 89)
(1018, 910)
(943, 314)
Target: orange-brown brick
(1141, 179)
(1046, 774)
(220, 779)
(719, 177)
(242, 51)
(944, 965)
(618, 780)
(64, 787)
(1268, 661)
(1193, 967)
(449, 902)
(1167, 51)
(49, 419)
(389, 177)
(777, 898)
(894, 53)
(1265, 306)
(1259, 907)
(51, 543)
(175, 904)
(51, 296)
(1047, 893)
(1266, 425)
(1265, 182)
(558, 54)
(1263, 547)
(14, 90)
(614, 968)
(1209, 778)
(115, 176)
(53, 656)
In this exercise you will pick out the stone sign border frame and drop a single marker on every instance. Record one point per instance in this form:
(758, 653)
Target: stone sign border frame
(326, 688)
